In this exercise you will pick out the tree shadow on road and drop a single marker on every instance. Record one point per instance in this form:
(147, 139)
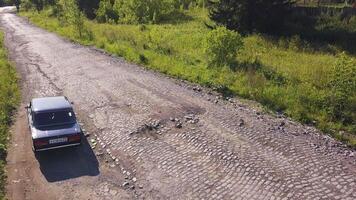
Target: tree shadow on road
(67, 163)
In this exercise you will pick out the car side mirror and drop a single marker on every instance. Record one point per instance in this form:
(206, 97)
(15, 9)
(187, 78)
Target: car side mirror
(28, 106)
(72, 102)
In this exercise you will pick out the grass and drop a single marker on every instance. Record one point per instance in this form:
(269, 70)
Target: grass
(324, 4)
(9, 97)
(331, 5)
(283, 75)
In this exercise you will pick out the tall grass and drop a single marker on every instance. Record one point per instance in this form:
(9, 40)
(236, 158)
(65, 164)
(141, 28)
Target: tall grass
(284, 76)
(9, 96)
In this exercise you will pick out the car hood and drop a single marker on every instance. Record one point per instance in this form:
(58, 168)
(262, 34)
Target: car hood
(53, 131)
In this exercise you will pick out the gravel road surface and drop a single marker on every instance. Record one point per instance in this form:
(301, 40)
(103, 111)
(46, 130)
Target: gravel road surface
(153, 137)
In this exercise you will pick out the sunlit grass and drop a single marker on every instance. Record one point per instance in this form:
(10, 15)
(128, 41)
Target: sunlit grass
(9, 96)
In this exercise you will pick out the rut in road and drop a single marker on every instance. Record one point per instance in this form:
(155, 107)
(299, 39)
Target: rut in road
(224, 150)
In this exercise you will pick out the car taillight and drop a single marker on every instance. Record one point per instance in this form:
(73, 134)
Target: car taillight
(40, 142)
(74, 138)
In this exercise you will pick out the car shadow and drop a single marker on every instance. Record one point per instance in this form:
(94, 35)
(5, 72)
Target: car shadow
(68, 163)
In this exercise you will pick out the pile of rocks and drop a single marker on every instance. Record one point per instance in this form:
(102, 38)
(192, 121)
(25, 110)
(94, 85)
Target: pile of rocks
(178, 122)
(198, 89)
(191, 118)
(153, 125)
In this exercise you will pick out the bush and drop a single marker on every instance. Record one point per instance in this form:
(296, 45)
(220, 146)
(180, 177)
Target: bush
(343, 90)
(221, 46)
(142, 11)
(352, 23)
(295, 43)
(39, 4)
(106, 13)
(26, 5)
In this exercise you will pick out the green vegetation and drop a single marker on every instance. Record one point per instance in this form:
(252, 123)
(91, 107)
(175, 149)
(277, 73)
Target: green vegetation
(67, 11)
(286, 74)
(138, 11)
(7, 2)
(248, 16)
(325, 3)
(221, 47)
(9, 96)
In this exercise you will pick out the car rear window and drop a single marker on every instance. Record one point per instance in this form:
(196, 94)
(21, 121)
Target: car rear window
(54, 118)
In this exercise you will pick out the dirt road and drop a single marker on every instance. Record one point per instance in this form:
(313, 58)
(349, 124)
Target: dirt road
(159, 138)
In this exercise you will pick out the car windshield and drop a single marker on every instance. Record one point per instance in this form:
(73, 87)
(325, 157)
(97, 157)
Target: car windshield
(54, 118)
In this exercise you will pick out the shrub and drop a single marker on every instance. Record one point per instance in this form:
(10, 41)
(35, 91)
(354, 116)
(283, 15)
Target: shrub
(39, 4)
(106, 12)
(142, 11)
(26, 5)
(295, 43)
(343, 90)
(221, 47)
(352, 23)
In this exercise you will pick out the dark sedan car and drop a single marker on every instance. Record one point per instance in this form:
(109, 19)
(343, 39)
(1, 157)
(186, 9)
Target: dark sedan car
(53, 123)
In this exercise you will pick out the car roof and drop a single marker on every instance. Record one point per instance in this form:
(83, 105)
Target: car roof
(50, 103)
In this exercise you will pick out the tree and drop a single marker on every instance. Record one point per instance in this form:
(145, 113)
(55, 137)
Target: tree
(248, 16)
(39, 4)
(9, 2)
(17, 4)
(105, 12)
(72, 15)
(89, 7)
